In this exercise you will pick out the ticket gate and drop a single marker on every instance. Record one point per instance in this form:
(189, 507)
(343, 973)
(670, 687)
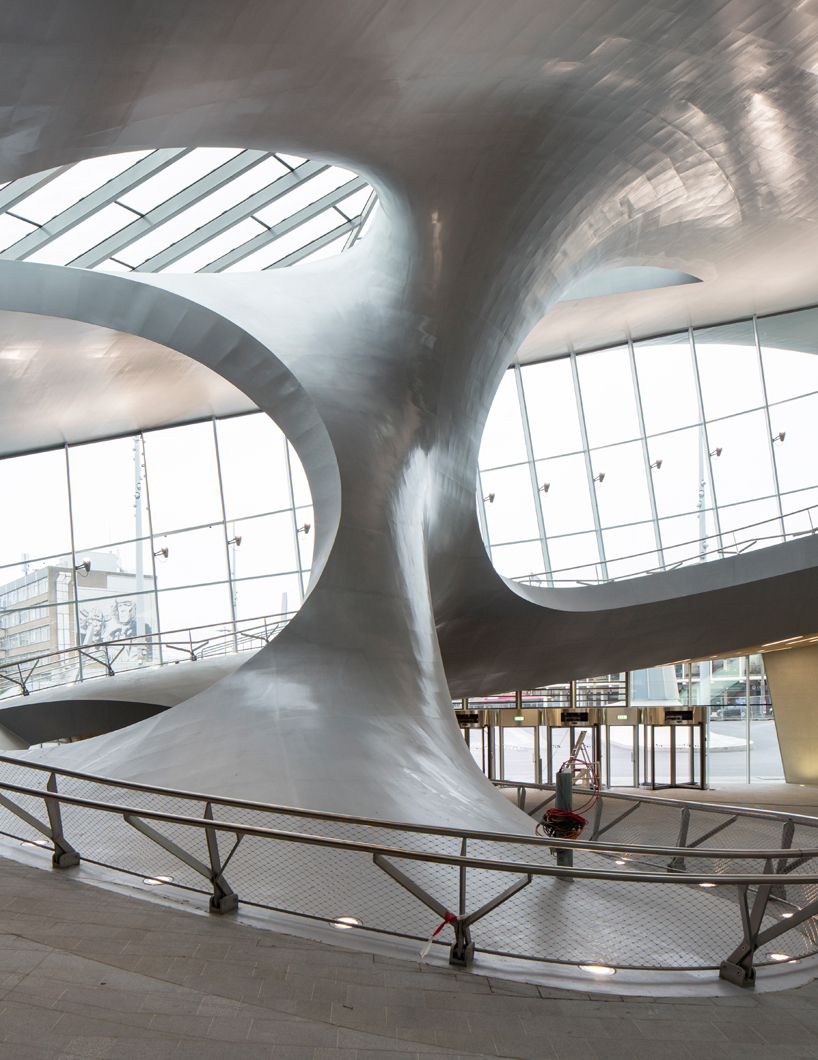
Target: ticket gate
(563, 726)
(675, 746)
(621, 751)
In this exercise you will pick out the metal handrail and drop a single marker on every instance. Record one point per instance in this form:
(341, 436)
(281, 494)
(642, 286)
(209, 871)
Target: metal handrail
(524, 868)
(738, 967)
(272, 625)
(725, 551)
(374, 822)
(706, 807)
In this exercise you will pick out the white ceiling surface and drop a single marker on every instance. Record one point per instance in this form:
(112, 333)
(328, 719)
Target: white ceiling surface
(67, 381)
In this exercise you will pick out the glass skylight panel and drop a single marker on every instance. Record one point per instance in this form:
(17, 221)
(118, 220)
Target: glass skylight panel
(330, 250)
(354, 204)
(304, 195)
(181, 174)
(77, 182)
(214, 248)
(287, 244)
(84, 236)
(12, 229)
(200, 213)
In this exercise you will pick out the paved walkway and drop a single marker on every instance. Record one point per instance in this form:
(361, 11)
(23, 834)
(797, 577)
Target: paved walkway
(90, 973)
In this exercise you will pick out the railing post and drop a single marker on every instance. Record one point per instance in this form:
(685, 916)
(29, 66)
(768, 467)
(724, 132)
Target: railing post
(738, 968)
(64, 855)
(462, 952)
(224, 899)
(565, 801)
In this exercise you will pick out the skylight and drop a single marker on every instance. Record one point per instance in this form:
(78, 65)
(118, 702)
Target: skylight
(203, 209)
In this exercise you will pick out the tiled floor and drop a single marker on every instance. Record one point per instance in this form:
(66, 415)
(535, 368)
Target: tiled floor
(90, 973)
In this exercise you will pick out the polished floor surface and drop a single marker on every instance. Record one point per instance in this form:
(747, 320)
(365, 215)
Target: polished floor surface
(89, 973)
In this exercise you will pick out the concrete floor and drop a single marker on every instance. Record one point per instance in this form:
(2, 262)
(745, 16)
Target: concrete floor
(90, 973)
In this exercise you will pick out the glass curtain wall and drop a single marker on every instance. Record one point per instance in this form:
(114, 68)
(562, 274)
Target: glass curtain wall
(203, 528)
(675, 450)
(742, 744)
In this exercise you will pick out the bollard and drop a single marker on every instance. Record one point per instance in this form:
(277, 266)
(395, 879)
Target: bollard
(565, 801)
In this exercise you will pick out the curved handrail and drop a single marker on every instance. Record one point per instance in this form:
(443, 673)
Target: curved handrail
(537, 577)
(374, 822)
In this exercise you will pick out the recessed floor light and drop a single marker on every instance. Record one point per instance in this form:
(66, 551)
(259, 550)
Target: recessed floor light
(598, 969)
(619, 863)
(786, 916)
(344, 923)
(156, 881)
(36, 843)
(707, 884)
(780, 957)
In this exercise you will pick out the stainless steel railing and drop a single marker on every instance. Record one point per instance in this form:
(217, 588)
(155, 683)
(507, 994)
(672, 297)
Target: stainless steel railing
(341, 869)
(84, 662)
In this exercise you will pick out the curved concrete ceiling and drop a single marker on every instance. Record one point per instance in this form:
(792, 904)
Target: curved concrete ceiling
(68, 381)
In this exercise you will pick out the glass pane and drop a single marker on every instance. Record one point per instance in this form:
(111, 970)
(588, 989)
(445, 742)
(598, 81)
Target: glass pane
(667, 383)
(254, 466)
(194, 557)
(566, 506)
(104, 477)
(608, 399)
(304, 195)
(305, 519)
(259, 597)
(83, 236)
(637, 542)
(743, 470)
(552, 408)
(687, 538)
(267, 546)
(77, 182)
(503, 441)
(518, 754)
(575, 559)
(35, 488)
(183, 609)
(722, 687)
(748, 526)
(301, 487)
(214, 248)
(622, 496)
(795, 456)
(680, 484)
(181, 174)
(12, 229)
(182, 477)
(728, 369)
(800, 515)
(511, 516)
(518, 561)
(789, 352)
(107, 614)
(299, 237)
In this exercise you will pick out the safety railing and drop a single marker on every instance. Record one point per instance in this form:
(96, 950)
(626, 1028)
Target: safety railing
(84, 662)
(710, 547)
(608, 911)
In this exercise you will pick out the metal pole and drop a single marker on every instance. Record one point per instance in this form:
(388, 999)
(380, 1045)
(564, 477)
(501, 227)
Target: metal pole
(158, 629)
(532, 468)
(704, 434)
(747, 707)
(770, 442)
(565, 801)
(73, 563)
(226, 539)
(139, 559)
(295, 520)
(589, 467)
(646, 454)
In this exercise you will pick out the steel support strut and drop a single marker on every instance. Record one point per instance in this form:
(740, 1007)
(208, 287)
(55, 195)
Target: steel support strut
(462, 952)
(224, 899)
(64, 854)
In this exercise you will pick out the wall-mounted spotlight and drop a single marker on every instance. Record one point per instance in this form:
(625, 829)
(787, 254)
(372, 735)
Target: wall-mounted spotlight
(305, 529)
(657, 464)
(235, 540)
(718, 452)
(600, 477)
(780, 436)
(546, 486)
(163, 552)
(489, 498)
(83, 567)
